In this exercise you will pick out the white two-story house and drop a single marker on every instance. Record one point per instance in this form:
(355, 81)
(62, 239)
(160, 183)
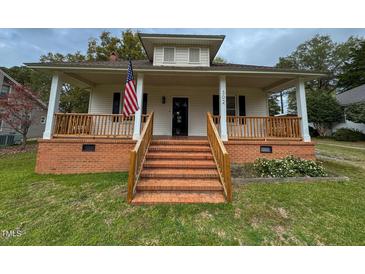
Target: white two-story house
(185, 91)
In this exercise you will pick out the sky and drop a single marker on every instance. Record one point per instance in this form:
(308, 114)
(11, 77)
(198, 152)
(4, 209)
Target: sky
(241, 46)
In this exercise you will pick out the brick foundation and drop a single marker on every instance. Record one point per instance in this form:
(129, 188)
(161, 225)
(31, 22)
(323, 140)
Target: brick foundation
(65, 156)
(249, 151)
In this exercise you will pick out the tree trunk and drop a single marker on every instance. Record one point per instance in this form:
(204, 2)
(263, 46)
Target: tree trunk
(24, 142)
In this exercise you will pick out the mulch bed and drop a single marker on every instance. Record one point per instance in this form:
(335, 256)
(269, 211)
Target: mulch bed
(17, 149)
(245, 173)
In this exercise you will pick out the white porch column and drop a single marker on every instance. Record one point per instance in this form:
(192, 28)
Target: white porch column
(138, 114)
(302, 109)
(223, 108)
(54, 99)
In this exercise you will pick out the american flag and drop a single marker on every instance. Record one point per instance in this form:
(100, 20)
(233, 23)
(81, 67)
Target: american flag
(130, 105)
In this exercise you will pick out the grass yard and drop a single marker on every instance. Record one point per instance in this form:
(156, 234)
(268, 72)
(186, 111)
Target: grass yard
(348, 152)
(91, 210)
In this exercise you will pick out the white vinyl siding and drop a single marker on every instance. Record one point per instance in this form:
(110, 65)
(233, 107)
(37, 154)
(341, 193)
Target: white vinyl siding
(101, 99)
(200, 102)
(181, 57)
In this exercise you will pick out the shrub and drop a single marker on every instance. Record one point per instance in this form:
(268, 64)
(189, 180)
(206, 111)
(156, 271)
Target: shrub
(313, 132)
(347, 134)
(288, 167)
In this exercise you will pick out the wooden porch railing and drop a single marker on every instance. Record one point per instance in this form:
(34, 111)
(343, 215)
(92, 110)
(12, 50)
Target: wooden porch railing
(94, 125)
(138, 155)
(221, 156)
(250, 127)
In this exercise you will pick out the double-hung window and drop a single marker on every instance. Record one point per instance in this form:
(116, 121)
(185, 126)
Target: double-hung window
(194, 55)
(169, 55)
(232, 109)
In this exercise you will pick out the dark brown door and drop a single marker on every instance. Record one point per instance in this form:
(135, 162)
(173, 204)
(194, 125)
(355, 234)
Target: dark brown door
(180, 110)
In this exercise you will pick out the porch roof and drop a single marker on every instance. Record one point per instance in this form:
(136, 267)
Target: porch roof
(90, 73)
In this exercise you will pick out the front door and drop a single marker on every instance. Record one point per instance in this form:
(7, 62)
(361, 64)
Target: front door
(180, 116)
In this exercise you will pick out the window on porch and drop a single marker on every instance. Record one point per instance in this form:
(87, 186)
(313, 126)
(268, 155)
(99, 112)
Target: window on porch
(233, 107)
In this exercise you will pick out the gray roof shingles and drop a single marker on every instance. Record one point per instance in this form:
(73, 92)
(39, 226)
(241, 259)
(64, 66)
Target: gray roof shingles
(355, 95)
(146, 64)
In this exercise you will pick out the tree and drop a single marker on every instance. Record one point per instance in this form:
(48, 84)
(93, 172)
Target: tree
(356, 112)
(354, 69)
(31, 79)
(127, 46)
(16, 110)
(74, 99)
(322, 54)
(274, 107)
(219, 60)
(323, 110)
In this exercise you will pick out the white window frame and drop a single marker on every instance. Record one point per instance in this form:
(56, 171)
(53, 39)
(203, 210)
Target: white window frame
(163, 56)
(1, 124)
(192, 62)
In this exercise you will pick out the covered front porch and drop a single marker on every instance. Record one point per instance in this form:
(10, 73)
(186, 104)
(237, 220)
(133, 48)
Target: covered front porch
(239, 104)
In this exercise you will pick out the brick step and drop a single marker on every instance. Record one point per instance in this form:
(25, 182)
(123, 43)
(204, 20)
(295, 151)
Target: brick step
(180, 142)
(179, 148)
(179, 184)
(178, 197)
(176, 173)
(186, 164)
(180, 155)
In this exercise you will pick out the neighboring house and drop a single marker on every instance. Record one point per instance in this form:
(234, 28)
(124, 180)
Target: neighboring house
(201, 117)
(352, 96)
(38, 116)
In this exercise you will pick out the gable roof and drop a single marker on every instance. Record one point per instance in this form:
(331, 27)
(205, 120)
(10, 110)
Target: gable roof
(355, 95)
(32, 96)
(149, 41)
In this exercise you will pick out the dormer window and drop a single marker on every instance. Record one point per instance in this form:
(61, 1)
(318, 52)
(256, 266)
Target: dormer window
(169, 55)
(194, 55)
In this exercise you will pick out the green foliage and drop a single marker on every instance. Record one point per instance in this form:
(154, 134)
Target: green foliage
(219, 60)
(74, 99)
(288, 167)
(274, 107)
(58, 57)
(354, 70)
(38, 82)
(322, 54)
(323, 110)
(127, 46)
(356, 112)
(347, 134)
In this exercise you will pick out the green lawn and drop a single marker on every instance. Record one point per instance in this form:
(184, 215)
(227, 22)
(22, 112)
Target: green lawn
(348, 152)
(92, 210)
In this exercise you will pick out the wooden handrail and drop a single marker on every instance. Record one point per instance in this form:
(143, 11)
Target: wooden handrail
(221, 157)
(262, 127)
(138, 156)
(94, 125)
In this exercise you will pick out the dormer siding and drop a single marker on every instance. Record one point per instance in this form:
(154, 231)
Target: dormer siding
(181, 56)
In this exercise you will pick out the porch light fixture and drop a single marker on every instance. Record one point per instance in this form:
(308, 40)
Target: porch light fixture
(163, 100)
